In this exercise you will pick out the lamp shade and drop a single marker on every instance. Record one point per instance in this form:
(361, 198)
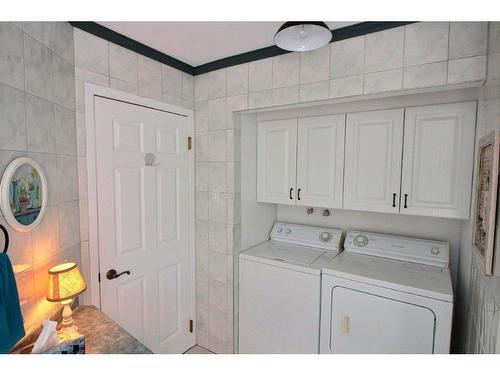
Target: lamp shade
(302, 36)
(65, 282)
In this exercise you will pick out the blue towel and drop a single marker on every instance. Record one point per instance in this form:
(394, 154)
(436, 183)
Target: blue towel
(11, 319)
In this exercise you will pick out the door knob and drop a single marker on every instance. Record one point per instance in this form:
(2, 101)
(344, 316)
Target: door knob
(112, 274)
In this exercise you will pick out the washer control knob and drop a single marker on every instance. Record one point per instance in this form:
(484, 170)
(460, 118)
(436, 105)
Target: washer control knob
(435, 250)
(325, 237)
(360, 240)
(280, 229)
(288, 230)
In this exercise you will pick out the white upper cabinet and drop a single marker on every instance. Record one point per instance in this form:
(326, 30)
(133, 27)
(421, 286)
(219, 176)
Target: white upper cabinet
(320, 161)
(373, 151)
(276, 161)
(438, 160)
(414, 160)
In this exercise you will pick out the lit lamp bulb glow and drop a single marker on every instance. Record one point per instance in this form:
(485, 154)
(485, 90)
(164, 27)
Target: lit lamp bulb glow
(65, 283)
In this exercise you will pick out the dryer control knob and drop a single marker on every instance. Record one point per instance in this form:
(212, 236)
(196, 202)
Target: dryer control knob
(325, 236)
(288, 230)
(435, 250)
(360, 240)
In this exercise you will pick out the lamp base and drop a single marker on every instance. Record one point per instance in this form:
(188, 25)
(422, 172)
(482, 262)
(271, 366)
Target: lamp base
(67, 316)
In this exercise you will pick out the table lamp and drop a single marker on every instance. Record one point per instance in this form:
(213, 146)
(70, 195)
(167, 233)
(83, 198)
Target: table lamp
(65, 283)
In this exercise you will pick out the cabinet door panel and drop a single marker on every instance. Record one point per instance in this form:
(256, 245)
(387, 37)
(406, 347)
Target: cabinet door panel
(373, 160)
(438, 160)
(320, 162)
(276, 161)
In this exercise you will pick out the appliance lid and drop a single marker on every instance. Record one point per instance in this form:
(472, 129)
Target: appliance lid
(284, 253)
(319, 237)
(418, 279)
(432, 253)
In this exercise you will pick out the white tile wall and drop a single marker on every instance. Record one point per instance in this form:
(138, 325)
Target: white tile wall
(468, 39)
(348, 57)
(217, 84)
(123, 63)
(425, 75)
(426, 42)
(260, 75)
(388, 80)
(11, 55)
(37, 119)
(13, 120)
(237, 79)
(347, 86)
(477, 295)
(315, 65)
(384, 50)
(314, 91)
(149, 74)
(286, 95)
(91, 53)
(285, 70)
(467, 69)
(260, 99)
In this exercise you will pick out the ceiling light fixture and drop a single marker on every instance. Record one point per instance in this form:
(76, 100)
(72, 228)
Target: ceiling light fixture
(302, 36)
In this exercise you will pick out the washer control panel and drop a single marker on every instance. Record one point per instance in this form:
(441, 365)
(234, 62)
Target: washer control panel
(325, 238)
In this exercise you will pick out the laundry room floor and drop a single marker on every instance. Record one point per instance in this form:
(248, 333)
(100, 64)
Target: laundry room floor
(198, 350)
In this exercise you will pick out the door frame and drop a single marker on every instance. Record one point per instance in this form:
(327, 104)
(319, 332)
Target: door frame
(91, 91)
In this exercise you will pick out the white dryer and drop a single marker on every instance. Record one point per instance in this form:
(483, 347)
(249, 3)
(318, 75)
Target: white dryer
(279, 289)
(387, 294)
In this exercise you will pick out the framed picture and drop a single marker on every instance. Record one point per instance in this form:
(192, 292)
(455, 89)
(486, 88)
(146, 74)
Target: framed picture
(483, 238)
(23, 194)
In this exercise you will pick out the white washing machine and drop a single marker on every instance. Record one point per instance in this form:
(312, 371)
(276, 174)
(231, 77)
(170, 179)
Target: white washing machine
(279, 289)
(386, 294)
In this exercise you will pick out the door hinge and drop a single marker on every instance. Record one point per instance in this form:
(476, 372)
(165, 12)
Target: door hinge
(99, 277)
(191, 326)
(190, 143)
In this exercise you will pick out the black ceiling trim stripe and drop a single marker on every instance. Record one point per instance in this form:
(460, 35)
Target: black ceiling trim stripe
(242, 58)
(346, 32)
(364, 28)
(133, 45)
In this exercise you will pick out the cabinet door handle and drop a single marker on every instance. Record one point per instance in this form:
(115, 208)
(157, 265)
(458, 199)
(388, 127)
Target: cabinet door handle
(298, 194)
(394, 200)
(291, 190)
(406, 201)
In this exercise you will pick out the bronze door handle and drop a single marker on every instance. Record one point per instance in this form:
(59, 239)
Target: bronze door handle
(112, 274)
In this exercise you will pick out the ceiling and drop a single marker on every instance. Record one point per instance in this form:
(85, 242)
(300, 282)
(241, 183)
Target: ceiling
(197, 43)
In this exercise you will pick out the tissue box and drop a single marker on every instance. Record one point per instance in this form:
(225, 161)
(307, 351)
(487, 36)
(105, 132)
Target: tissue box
(73, 345)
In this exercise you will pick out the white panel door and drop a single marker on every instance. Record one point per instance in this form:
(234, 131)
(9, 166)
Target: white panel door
(276, 161)
(144, 223)
(438, 160)
(320, 161)
(369, 324)
(373, 152)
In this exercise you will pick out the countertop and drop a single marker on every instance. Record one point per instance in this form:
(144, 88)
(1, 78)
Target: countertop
(103, 335)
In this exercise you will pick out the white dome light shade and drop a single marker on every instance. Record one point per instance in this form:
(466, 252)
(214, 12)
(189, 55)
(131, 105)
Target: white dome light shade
(302, 36)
